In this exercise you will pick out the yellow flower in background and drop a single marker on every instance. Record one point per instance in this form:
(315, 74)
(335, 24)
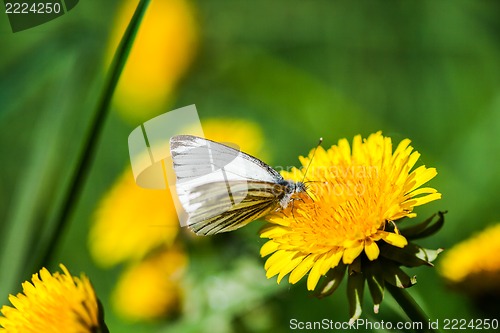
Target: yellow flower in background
(132, 221)
(162, 52)
(53, 303)
(355, 195)
(473, 265)
(248, 135)
(151, 289)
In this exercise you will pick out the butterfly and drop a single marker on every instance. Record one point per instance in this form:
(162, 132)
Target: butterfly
(223, 189)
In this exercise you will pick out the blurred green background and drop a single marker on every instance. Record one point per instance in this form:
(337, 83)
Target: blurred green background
(424, 70)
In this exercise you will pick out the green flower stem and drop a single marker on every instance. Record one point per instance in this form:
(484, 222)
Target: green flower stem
(89, 146)
(410, 307)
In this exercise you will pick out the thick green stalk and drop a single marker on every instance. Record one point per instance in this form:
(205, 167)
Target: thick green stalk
(90, 144)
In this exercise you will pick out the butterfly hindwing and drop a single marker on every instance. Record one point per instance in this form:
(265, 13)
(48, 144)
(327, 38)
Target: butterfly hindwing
(247, 202)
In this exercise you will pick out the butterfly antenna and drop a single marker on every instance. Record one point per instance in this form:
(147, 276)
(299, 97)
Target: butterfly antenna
(312, 157)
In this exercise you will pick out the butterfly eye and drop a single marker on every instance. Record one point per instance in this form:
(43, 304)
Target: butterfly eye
(277, 189)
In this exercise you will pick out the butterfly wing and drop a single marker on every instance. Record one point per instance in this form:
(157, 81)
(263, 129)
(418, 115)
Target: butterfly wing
(198, 158)
(221, 188)
(212, 211)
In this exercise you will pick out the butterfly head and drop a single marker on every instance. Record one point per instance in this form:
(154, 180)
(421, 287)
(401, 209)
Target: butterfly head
(291, 187)
(300, 187)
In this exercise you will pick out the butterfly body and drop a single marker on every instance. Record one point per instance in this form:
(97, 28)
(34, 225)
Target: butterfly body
(291, 188)
(223, 189)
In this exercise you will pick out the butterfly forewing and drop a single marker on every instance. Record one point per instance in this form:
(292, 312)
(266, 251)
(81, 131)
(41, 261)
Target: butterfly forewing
(197, 157)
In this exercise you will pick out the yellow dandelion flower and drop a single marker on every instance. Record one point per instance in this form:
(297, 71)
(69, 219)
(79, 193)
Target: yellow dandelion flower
(474, 265)
(347, 219)
(151, 288)
(131, 221)
(53, 303)
(162, 52)
(356, 193)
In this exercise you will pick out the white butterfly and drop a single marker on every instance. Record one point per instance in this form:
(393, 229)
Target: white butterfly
(223, 189)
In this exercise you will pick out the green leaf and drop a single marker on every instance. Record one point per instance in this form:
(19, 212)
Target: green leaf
(425, 228)
(332, 280)
(395, 276)
(428, 255)
(355, 267)
(355, 288)
(102, 324)
(411, 255)
(376, 283)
